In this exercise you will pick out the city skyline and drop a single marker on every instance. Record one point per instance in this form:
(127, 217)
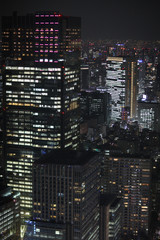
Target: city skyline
(80, 124)
(101, 20)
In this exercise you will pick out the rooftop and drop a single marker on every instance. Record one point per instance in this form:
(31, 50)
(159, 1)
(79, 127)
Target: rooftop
(68, 157)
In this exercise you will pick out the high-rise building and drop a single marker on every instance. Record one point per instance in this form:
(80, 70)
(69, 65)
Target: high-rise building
(131, 87)
(41, 84)
(129, 178)
(66, 190)
(115, 82)
(121, 82)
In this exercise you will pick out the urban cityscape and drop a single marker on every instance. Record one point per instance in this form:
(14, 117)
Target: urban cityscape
(79, 132)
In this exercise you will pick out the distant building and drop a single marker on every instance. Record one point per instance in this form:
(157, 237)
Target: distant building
(141, 75)
(9, 214)
(95, 104)
(115, 82)
(149, 115)
(121, 81)
(66, 190)
(131, 86)
(85, 76)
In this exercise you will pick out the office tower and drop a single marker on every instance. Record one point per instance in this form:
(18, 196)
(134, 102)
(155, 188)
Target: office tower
(65, 187)
(149, 115)
(110, 217)
(115, 82)
(121, 82)
(129, 178)
(9, 214)
(131, 88)
(41, 102)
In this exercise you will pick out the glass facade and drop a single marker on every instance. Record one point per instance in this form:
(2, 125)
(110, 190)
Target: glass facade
(41, 114)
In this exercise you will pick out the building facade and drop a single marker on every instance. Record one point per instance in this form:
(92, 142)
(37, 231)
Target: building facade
(66, 190)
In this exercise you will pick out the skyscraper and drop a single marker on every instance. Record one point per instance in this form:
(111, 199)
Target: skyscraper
(121, 82)
(131, 89)
(41, 84)
(115, 82)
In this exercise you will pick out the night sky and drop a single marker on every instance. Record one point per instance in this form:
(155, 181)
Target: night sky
(101, 19)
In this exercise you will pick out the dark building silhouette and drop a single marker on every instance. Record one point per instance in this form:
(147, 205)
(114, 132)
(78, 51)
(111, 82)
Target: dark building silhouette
(85, 76)
(95, 104)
